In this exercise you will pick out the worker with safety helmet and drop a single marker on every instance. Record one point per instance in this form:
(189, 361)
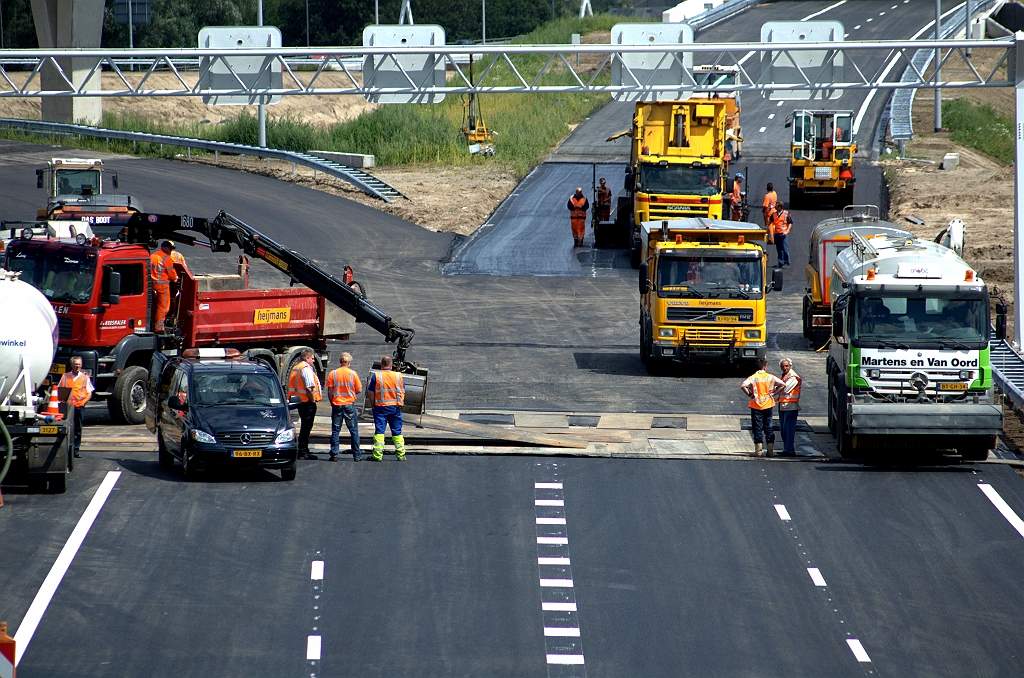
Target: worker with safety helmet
(578, 206)
(603, 206)
(387, 393)
(162, 274)
(778, 233)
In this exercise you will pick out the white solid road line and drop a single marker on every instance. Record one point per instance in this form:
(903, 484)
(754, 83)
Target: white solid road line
(553, 561)
(317, 570)
(1004, 508)
(550, 521)
(553, 540)
(562, 631)
(313, 648)
(820, 12)
(60, 566)
(892, 64)
(783, 513)
(816, 576)
(549, 502)
(547, 486)
(858, 650)
(558, 607)
(565, 659)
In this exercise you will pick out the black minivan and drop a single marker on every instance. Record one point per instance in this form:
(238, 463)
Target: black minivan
(210, 408)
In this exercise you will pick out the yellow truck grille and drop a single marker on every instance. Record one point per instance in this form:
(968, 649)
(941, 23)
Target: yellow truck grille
(707, 335)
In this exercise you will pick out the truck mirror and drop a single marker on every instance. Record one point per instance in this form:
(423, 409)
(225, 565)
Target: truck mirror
(643, 278)
(837, 326)
(114, 285)
(294, 402)
(113, 179)
(39, 178)
(777, 279)
(1000, 321)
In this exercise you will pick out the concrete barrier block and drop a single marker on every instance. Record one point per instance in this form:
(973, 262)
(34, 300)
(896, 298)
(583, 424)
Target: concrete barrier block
(950, 161)
(351, 159)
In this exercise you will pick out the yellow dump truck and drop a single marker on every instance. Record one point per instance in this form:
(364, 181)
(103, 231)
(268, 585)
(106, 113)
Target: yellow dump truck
(703, 284)
(821, 158)
(677, 163)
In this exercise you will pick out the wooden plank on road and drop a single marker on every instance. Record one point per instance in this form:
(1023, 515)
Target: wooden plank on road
(498, 432)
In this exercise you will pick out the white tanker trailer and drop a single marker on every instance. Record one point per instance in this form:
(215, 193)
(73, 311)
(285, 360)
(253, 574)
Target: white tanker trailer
(33, 446)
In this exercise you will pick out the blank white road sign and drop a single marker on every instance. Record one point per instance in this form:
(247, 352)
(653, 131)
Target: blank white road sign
(823, 66)
(259, 73)
(672, 69)
(387, 71)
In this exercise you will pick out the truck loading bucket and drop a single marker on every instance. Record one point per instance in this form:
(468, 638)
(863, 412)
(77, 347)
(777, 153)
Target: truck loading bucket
(415, 391)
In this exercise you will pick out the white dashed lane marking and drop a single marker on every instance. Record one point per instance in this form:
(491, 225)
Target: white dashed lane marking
(563, 647)
(783, 513)
(314, 640)
(858, 650)
(313, 648)
(316, 570)
(762, 130)
(816, 576)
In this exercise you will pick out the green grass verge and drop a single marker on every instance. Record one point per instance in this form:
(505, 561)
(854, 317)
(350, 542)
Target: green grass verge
(978, 126)
(527, 125)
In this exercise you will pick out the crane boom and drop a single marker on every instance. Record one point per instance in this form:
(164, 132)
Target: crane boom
(224, 230)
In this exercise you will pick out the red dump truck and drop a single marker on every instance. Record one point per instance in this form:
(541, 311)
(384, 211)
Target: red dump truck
(100, 291)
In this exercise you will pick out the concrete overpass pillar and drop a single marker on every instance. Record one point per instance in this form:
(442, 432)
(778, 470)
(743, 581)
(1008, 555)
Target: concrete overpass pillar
(70, 23)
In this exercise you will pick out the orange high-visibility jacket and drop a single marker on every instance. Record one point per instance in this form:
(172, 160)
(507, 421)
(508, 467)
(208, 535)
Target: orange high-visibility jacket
(297, 383)
(80, 387)
(161, 268)
(388, 389)
(761, 384)
(343, 385)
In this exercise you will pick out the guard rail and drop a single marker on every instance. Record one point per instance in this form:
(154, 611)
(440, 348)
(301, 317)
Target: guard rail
(723, 11)
(901, 126)
(1007, 371)
(364, 181)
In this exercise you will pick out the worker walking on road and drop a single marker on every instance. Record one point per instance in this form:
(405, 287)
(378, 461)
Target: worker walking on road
(778, 233)
(80, 394)
(603, 208)
(761, 386)
(768, 204)
(162, 274)
(737, 197)
(387, 393)
(578, 206)
(789, 406)
(304, 383)
(343, 385)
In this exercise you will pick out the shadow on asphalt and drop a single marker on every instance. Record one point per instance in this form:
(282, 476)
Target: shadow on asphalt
(151, 469)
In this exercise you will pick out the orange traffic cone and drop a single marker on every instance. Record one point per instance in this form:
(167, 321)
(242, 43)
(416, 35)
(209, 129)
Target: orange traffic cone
(53, 408)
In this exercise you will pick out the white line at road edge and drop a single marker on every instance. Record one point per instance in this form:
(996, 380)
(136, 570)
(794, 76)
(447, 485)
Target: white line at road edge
(892, 63)
(1004, 508)
(858, 650)
(60, 566)
(822, 11)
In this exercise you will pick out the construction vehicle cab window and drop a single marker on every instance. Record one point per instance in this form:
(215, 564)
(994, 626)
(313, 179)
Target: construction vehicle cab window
(62, 274)
(710, 276)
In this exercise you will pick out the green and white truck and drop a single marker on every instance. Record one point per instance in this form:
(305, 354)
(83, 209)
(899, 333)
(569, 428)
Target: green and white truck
(908, 367)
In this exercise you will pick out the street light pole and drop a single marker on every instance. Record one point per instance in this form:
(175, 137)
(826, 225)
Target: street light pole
(261, 109)
(484, 15)
(938, 60)
(307, 23)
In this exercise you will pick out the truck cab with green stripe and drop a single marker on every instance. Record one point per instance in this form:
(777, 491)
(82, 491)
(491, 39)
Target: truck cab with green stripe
(908, 366)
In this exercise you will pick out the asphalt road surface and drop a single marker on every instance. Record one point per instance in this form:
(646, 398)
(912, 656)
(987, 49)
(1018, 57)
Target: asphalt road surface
(434, 567)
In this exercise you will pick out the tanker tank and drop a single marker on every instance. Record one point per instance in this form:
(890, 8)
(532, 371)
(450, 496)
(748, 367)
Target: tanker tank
(28, 340)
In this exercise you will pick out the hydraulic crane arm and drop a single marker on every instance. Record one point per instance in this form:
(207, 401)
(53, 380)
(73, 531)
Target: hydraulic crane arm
(225, 230)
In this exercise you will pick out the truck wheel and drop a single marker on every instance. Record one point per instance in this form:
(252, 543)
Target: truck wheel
(187, 468)
(163, 456)
(845, 198)
(288, 473)
(359, 288)
(127, 405)
(831, 406)
(643, 343)
(808, 332)
(796, 198)
(975, 450)
(844, 440)
(634, 256)
(57, 483)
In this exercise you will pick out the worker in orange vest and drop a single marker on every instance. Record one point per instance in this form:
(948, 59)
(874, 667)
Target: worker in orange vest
(768, 204)
(343, 385)
(578, 206)
(162, 274)
(603, 207)
(778, 233)
(387, 393)
(304, 383)
(80, 394)
(761, 387)
(789, 406)
(737, 197)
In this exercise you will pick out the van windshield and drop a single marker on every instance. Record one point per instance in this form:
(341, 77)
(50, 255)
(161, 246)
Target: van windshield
(920, 319)
(61, 274)
(236, 388)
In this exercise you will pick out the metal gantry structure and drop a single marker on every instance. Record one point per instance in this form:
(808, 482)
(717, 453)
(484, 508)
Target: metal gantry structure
(522, 69)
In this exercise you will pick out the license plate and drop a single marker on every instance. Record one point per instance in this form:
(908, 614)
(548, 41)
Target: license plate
(952, 387)
(727, 318)
(247, 453)
(47, 430)
(57, 368)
